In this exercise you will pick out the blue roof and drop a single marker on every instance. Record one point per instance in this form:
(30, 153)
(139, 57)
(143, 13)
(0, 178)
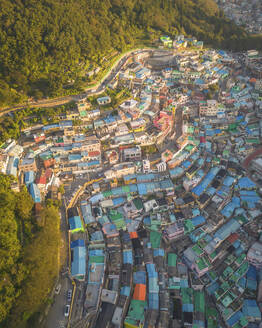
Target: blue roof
(227, 229)
(78, 263)
(139, 277)
(252, 272)
(118, 200)
(153, 301)
(246, 183)
(230, 207)
(75, 223)
(96, 198)
(195, 211)
(96, 252)
(29, 177)
(187, 308)
(74, 157)
(176, 171)
(142, 190)
(67, 123)
(151, 270)
(186, 164)
(198, 220)
(127, 256)
(159, 252)
(35, 193)
(146, 177)
(76, 243)
(125, 291)
(228, 181)
(50, 126)
(234, 319)
(250, 309)
(97, 236)
(87, 212)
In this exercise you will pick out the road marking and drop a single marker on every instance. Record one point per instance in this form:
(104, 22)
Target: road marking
(61, 324)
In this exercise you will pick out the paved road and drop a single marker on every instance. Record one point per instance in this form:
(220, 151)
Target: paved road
(56, 318)
(89, 91)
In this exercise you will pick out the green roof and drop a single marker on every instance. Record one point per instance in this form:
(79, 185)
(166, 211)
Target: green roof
(96, 259)
(60, 139)
(174, 283)
(253, 140)
(136, 312)
(187, 295)
(203, 263)
(227, 272)
(190, 129)
(243, 321)
(188, 226)
(230, 259)
(242, 269)
(213, 254)
(212, 275)
(241, 258)
(227, 299)
(115, 215)
(138, 203)
(211, 312)
(83, 113)
(126, 189)
(189, 147)
(199, 301)
(155, 239)
(171, 259)
(120, 224)
(107, 193)
(197, 249)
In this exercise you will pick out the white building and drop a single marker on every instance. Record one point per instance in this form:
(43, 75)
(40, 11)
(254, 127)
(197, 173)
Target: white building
(146, 166)
(132, 154)
(161, 167)
(208, 108)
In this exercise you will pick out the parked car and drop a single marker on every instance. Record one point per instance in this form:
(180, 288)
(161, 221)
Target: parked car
(57, 289)
(67, 310)
(69, 295)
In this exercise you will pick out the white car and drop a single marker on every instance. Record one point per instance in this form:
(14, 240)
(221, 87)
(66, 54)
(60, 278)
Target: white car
(67, 310)
(58, 288)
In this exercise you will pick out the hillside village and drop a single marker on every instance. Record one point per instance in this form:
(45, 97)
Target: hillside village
(244, 13)
(163, 193)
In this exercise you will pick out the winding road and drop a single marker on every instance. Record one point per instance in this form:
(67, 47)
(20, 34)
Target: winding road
(90, 91)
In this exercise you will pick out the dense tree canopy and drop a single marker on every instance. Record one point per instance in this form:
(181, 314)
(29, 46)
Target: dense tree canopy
(46, 44)
(28, 255)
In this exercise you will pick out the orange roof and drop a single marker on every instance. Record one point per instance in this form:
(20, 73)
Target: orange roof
(49, 162)
(140, 292)
(252, 80)
(133, 235)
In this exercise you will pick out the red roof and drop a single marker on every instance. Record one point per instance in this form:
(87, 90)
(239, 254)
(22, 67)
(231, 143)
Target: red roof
(233, 237)
(48, 173)
(133, 235)
(94, 153)
(41, 180)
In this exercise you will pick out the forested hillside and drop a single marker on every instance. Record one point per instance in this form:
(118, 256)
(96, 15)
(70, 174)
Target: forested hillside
(28, 256)
(45, 44)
